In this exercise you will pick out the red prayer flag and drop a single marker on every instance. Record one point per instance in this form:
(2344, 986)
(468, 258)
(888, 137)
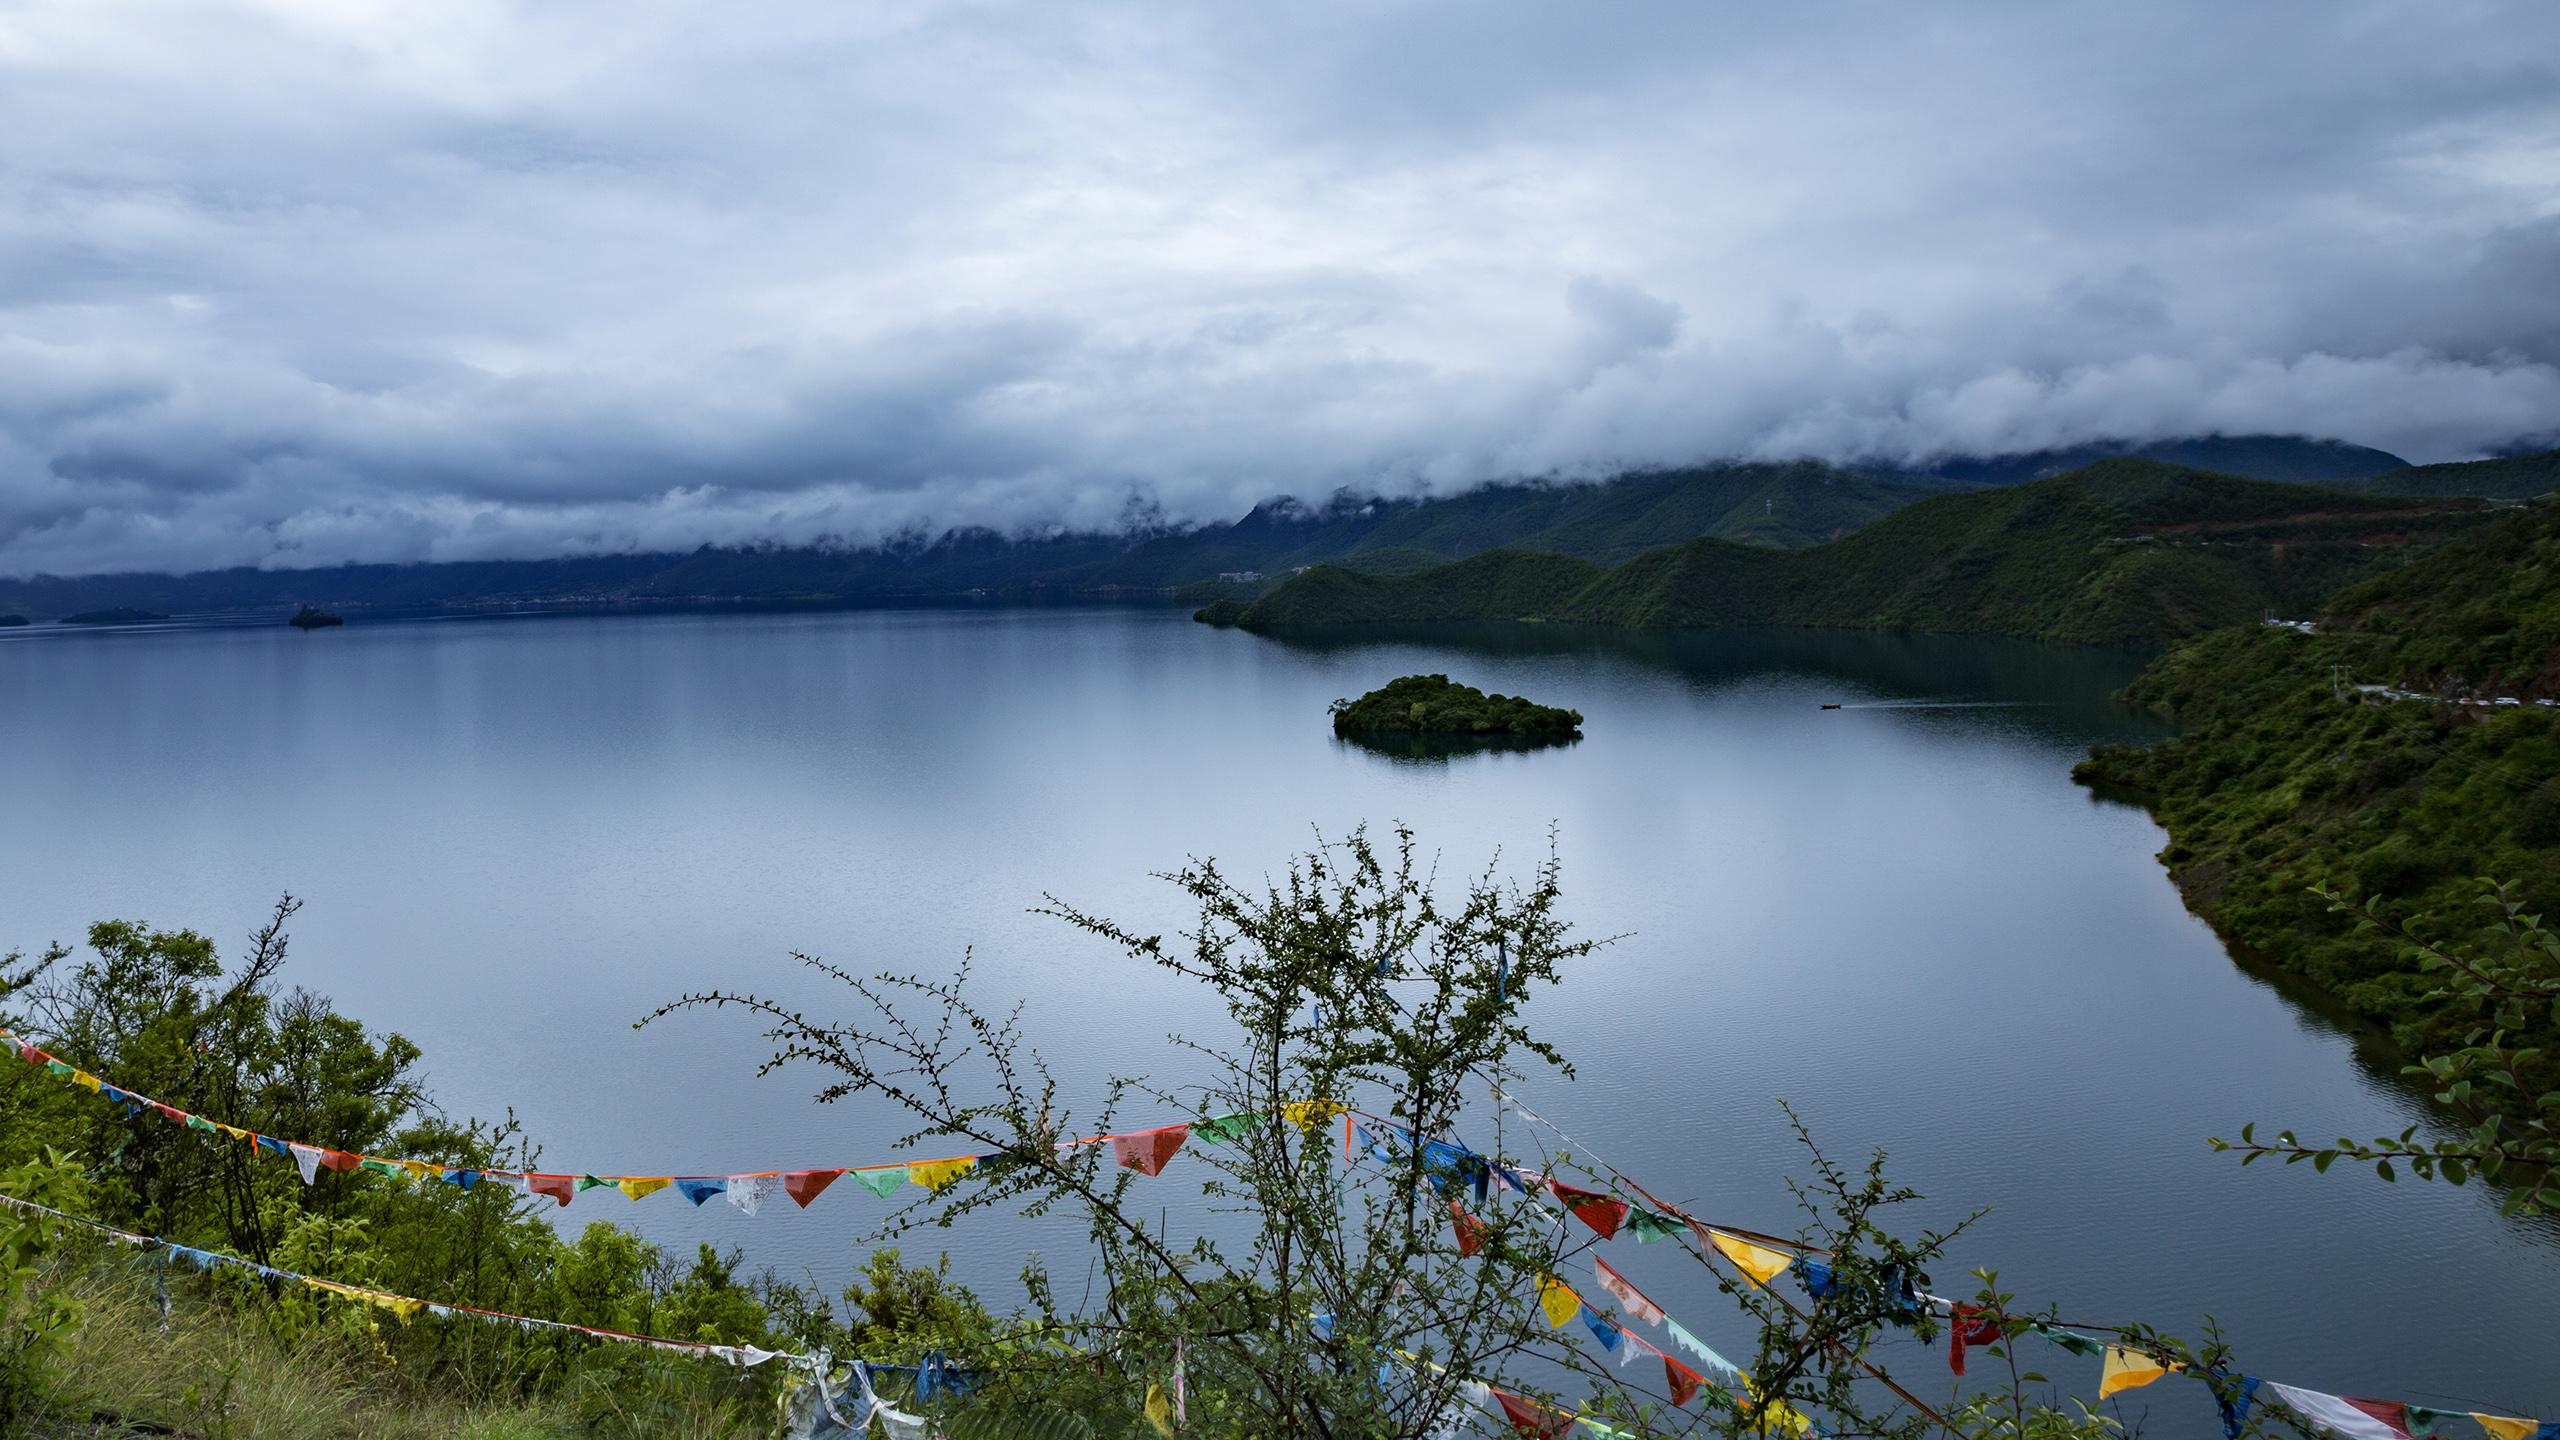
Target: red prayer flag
(1145, 1151)
(558, 1187)
(805, 1185)
(1528, 1419)
(339, 1159)
(1470, 1229)
(1591, 1207)
(1963, 1330)
(1682, 1380)
(2394, 1413)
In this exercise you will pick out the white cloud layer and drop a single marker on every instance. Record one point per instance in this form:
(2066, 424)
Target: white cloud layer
(297, 282)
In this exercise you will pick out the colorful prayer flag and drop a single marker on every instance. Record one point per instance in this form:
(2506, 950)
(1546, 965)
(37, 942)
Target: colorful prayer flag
(880, 1180)
(1219, 1129)
(1532, 1420)
(1307, 1114)
(1557, 1300)
(1593, 1208)
(1627, 1294)
(804, 1186)
(1146, 1150)
(558, 1187)
(637, 1186)
(2352, 1419)
(1759, 1262)
(936, 1175)
(2130, 1370)
(1610, 1337)
(1470, 1229)
(749, 1192)
(1683, 1381)
(1159, 1409)
(702, 1188)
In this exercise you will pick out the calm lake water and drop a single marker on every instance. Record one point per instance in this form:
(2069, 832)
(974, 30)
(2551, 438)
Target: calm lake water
(517, 836)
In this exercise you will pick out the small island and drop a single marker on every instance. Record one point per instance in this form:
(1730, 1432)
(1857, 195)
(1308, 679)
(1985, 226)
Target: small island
(1435, 705)
(121, 615)
(312, 617)
(8, 620)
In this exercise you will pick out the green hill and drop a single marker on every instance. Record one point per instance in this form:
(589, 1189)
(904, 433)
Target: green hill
(2282, 778)
(2292, 459)
(2121, 551)
(2513, 477)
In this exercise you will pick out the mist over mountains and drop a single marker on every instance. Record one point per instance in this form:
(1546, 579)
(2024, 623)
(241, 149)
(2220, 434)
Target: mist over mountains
(1767, 506)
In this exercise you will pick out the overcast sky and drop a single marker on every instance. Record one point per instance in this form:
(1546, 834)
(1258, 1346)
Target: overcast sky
(295, 283)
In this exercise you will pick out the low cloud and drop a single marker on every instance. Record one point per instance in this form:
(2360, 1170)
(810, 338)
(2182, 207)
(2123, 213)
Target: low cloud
(286, 285)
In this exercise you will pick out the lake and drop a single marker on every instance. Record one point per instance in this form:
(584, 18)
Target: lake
(516, 836)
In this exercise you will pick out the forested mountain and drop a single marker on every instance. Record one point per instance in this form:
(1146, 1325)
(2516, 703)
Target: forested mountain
(2125, 550)
(2285, 776)
(2512, 477)
(2291, 458)
(1606, 522)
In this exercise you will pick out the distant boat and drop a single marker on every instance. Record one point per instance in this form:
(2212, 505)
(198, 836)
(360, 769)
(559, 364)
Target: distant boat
(312, 617)
(1830, 705)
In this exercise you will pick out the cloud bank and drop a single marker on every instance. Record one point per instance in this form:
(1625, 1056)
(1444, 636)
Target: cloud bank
(295, 282)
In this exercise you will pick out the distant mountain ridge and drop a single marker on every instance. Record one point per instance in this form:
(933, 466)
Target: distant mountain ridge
(1774, 505)
(2121, 551)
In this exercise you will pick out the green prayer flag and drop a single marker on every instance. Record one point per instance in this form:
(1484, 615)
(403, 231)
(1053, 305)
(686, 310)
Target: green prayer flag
(881, 1182)
(380, 1167)
(56, 1067)
(2071, 1340)
(198, 1122)
(589, 1182)
(1648, 1227)
(1222, 1128)
(2424, 1421)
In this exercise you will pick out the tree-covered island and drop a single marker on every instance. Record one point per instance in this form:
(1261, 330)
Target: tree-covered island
(1436, 705)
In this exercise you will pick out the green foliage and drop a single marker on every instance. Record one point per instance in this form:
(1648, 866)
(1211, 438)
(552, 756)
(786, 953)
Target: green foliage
(158, 1011)
(1417, 992)
(2121, 551)
(37, 1321)
(1434, 705)
(2280, 787)
(2498, 1081)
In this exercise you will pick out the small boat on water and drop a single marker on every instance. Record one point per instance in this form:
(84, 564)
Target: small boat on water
(1830, 705)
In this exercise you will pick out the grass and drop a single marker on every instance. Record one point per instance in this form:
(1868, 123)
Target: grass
(225, 1366)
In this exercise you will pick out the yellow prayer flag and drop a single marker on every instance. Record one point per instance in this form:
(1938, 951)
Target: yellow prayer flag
(236, 1133)
(636, 1186)
(1782, 1415)
(2130, 1370)
(935, 1174)
(85, 1080)
(2503, 1427)
(1759, 1262)
(1557, 1299)
(1159, 1409)
(420, 1169)
(1307, 1114)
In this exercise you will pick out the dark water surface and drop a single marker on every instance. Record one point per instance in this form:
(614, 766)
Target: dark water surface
(518, 836)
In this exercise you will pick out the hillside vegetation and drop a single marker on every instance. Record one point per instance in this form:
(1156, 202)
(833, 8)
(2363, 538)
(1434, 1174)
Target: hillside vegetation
(2277, 784)
(2123, 551)
(2514, 477)
(1437, 705)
